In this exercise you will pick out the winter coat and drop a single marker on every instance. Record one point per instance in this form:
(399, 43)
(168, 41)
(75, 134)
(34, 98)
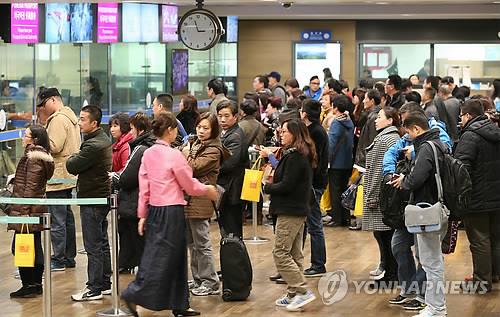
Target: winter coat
(394, 154)
(33, 171)
(340, 155)
(253, 130)
(188, 120)
(366, 137)
(452, 106)
(431, 111)
(372, 216)
(396, 101)
(291, 190)
(232, 170)
(64, 134)
(421, 181)
(92, 165)
(320, 139)
(479, 150)
(215, 102)
(279, 91)
(128, 180)
(121, 152)
(205, 159)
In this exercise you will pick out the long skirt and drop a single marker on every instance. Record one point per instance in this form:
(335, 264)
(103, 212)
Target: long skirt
(161, 282)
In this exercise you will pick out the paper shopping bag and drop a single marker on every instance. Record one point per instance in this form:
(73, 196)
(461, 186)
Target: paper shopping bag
(252, 183)
(358, 207)
(325, 204)
(24, 253)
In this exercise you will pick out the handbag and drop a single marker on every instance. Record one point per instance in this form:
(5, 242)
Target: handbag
(24, 254)
(252, 182)
(348, 198)
(424, 217)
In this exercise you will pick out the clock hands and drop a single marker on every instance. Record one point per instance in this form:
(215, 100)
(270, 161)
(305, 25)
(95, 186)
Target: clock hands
(197, 29)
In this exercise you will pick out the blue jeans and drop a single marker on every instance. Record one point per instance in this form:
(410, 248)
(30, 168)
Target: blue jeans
(411, 277)
(95, 241)
(315, 230)
(62, 230)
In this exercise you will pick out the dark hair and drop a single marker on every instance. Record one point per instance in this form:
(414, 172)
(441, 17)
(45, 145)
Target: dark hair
(431, 92)
(94, 112)
(214, 123)
(344, 84)
(374, 94)
(292, 82)
(485, 101)
(313, 78)
(249, 107)
(166, 100)
(360, 93)
(231, 105)
(296, 93)
(312, 108)
(294, 103)
(413, 96)
(335, 85)
(327, 72)
(434, 81)
(275, 102)
(416, 119)
(411, 107)
(216, 85)
(474, 107)
(340, 102)
(405, 84)
(366, 83)
(141, 122)
(250, 95)
(462, 93)
(263, 98)
(413, 75)
(122, 120)
(162, 122)
(380, 87)
(392, 113)
(263, 79)
(496, 89)
(190, 103)
(447, 80)
(396, 81)
(302, 140)
(40, 136)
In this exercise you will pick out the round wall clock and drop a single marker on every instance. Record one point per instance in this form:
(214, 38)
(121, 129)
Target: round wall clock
(200, 29)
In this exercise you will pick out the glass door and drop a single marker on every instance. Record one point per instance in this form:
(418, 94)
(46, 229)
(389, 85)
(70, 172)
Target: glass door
(94, 76)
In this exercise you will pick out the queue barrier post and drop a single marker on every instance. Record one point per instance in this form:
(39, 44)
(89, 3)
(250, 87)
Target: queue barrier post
(115, 310)
(255, 239)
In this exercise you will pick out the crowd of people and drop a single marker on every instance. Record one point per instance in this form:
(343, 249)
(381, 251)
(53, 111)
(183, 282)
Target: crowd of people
(169, 170)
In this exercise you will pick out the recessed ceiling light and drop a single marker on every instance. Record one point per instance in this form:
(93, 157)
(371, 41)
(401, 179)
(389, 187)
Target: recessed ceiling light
(381, 3)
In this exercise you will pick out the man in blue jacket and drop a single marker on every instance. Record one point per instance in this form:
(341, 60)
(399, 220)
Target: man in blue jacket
(340, 143)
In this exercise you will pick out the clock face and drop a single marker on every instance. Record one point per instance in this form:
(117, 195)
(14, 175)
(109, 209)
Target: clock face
(198, 31)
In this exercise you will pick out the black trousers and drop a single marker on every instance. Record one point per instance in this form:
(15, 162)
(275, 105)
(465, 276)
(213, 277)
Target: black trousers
(32, 275)
(131, 243)
(387, 260)
(338, 180)
(231, 218)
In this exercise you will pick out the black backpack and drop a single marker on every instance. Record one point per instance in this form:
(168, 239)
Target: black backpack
(393, 201)
(457, 185)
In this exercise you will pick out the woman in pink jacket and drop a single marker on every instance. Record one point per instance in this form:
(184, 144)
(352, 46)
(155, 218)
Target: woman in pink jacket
(164, 176)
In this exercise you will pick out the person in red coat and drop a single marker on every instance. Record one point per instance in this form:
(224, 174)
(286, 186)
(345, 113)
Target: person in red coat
(120, 131)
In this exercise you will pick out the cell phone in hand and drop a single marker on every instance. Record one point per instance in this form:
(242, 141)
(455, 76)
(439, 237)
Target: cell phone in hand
(394, 177)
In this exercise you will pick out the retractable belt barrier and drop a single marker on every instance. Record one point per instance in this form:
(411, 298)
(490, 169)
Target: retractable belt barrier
(112, 202)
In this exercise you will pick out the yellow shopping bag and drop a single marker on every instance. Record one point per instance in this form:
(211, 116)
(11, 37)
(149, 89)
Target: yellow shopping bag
(358, 207)
(325, 204)
(24, 249)
(252, 182)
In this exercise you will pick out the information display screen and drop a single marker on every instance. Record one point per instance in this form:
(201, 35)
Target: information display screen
(232, 29)
(107, 23)
(180, 74)
(140, 22)
(24, 23)
(169, 23)
(81, 22)
(57, 22)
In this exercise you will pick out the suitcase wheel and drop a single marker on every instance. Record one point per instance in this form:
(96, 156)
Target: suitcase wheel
(227, 294)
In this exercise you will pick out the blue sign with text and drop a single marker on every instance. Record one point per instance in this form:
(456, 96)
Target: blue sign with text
(316, 36)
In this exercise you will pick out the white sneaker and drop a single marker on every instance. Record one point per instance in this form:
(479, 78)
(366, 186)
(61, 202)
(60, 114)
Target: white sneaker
(376, 272)
(107, 291)
(284, 300)
(86, 295)
(192, 285)
(426, 313)
(326, 218)
(300, 301)
(204, 291)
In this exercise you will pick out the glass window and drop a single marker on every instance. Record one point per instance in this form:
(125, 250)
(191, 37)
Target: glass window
(94, 75)
(381, 60)
(311, 59)
(472, 64)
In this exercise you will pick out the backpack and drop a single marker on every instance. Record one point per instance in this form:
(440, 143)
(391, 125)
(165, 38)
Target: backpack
(393, 201)
(457, 184)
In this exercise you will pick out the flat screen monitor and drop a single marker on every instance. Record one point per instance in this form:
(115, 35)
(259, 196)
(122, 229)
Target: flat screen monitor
(180, 73)
(107, 22)
(81, 22)
(169, 17)
(57, 22)
(232, 29)
(140, 22)
(24, 23)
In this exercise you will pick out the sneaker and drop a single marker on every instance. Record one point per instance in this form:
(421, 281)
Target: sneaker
(414, 304)
(26, 292)
(86, 295)
(56, 267)
(107, 291)
(284, 300)
(355, 228)
(376, 272)
(310, 272)
(204, 291)
(192, 285)
(69, 264)
(425, 313)
(331, 224)
(399, 300)
(379, 276)
(300, 300)
(274, 277)
(327, 218)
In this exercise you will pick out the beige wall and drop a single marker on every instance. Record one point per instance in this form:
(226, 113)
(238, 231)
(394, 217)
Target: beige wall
(261, 51)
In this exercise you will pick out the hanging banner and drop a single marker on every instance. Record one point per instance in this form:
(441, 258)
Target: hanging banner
(24, 23)
(107, 22)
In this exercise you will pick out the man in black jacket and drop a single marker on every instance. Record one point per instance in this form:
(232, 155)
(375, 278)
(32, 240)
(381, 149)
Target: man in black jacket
(310, 114)
(479, 150)
(232, 171)
(421, 183)
(92, 165)
(395, 98)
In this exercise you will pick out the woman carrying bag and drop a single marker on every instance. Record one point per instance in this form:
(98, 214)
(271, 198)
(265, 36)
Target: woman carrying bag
(32, 173)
